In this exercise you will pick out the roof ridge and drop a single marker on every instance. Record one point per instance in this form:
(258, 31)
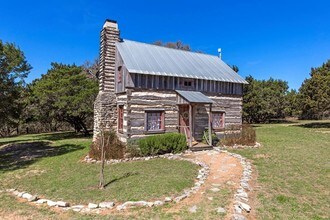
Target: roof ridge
(187, 51)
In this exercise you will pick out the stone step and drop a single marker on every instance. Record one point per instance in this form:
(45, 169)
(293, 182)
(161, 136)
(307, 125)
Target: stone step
(201, 148)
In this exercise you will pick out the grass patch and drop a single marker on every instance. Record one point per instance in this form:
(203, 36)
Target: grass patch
(55, 171)
(293, 171)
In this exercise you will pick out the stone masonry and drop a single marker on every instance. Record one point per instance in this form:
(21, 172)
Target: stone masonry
(105, 108)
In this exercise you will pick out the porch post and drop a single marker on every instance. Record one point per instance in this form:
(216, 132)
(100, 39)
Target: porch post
(210, 125)
(190, 125)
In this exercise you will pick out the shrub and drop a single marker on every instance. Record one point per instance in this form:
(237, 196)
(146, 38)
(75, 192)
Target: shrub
(133, 149)
(161, 144)
(247, 136)
(113, 147)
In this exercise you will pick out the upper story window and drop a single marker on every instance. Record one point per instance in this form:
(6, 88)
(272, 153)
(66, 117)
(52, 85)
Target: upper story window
(187, 83)
(120, 74)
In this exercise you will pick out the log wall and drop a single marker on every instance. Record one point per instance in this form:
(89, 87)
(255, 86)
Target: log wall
(137, 101)
(140, 100)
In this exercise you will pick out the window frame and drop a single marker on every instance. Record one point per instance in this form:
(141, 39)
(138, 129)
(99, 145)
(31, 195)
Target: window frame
(223, 113)
(120, 74)
(120, 121)
(162, 122)
(184, 84)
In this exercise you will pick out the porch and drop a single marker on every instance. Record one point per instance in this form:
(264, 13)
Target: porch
(195, 118)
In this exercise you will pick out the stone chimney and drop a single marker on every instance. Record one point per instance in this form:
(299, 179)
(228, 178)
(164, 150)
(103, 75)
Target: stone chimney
(109, 37)
(105, 107)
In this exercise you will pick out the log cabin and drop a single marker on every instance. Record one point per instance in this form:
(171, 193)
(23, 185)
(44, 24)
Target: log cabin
(146, 89)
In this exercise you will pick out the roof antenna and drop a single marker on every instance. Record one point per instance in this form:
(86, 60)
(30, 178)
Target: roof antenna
(219, 51)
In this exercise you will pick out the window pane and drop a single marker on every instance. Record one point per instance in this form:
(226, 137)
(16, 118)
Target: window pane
(154, 121)
(217, 120)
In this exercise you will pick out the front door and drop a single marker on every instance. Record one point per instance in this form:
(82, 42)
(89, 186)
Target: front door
(184, 120)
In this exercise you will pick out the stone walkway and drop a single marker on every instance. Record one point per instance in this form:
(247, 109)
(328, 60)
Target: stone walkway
(225, 169)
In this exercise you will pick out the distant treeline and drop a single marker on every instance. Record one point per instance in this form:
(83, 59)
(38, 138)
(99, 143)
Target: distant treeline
(63, 98)
(265, 100)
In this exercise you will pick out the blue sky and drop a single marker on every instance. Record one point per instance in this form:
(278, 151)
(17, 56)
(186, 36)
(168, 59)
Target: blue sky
(279, 39)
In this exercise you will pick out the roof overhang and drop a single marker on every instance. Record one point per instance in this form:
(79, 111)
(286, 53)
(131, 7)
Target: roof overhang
(194, 97)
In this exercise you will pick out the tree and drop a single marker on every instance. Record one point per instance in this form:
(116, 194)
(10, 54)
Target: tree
(292, 104)
(263, 100)
(235, 68)
(91, 69)
(13, 69)
(175, 45)
(314, 94)
(66, 94)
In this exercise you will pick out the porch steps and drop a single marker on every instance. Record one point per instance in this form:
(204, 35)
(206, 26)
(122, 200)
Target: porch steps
(201, 147)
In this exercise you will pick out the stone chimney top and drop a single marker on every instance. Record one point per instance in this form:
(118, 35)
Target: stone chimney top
(110, 23)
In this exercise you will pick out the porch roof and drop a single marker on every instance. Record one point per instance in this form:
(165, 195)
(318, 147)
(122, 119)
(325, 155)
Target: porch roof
(194, 97)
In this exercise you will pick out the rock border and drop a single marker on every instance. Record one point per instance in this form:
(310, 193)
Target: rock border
(93, 207)
(239, 146)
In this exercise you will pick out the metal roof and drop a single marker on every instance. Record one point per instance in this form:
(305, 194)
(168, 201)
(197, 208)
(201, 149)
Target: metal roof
(194, 97)
(157, 60)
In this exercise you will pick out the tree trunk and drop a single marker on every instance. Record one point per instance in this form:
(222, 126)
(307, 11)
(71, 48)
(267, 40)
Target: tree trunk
(86, 132)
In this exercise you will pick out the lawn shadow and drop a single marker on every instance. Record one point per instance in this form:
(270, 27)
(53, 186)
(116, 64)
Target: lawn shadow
(255, 125)
(4, 143)
(55, 136)
(282, 121)
(20, 155)
(315, 125)
(122, 177)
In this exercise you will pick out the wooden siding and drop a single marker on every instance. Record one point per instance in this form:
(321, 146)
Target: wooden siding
(138, 101)
(232, 106)
(122, 100)
(120, 85)
(176, 83)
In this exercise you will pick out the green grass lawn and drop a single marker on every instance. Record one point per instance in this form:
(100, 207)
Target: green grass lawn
(293, 170)
(293, 174)
(54, 170)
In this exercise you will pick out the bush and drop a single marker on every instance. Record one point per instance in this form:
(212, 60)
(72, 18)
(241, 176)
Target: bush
(247, 136)
(162, 144)
(133, 149)
(113, 148)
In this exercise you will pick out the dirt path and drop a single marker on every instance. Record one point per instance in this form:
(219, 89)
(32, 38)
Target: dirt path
(225, 172)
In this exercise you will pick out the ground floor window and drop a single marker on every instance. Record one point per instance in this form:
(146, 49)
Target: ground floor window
(120, 118)
(218, 120)
(155, 121)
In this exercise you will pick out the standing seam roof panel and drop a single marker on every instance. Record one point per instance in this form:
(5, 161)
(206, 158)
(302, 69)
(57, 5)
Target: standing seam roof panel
(156, 60)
